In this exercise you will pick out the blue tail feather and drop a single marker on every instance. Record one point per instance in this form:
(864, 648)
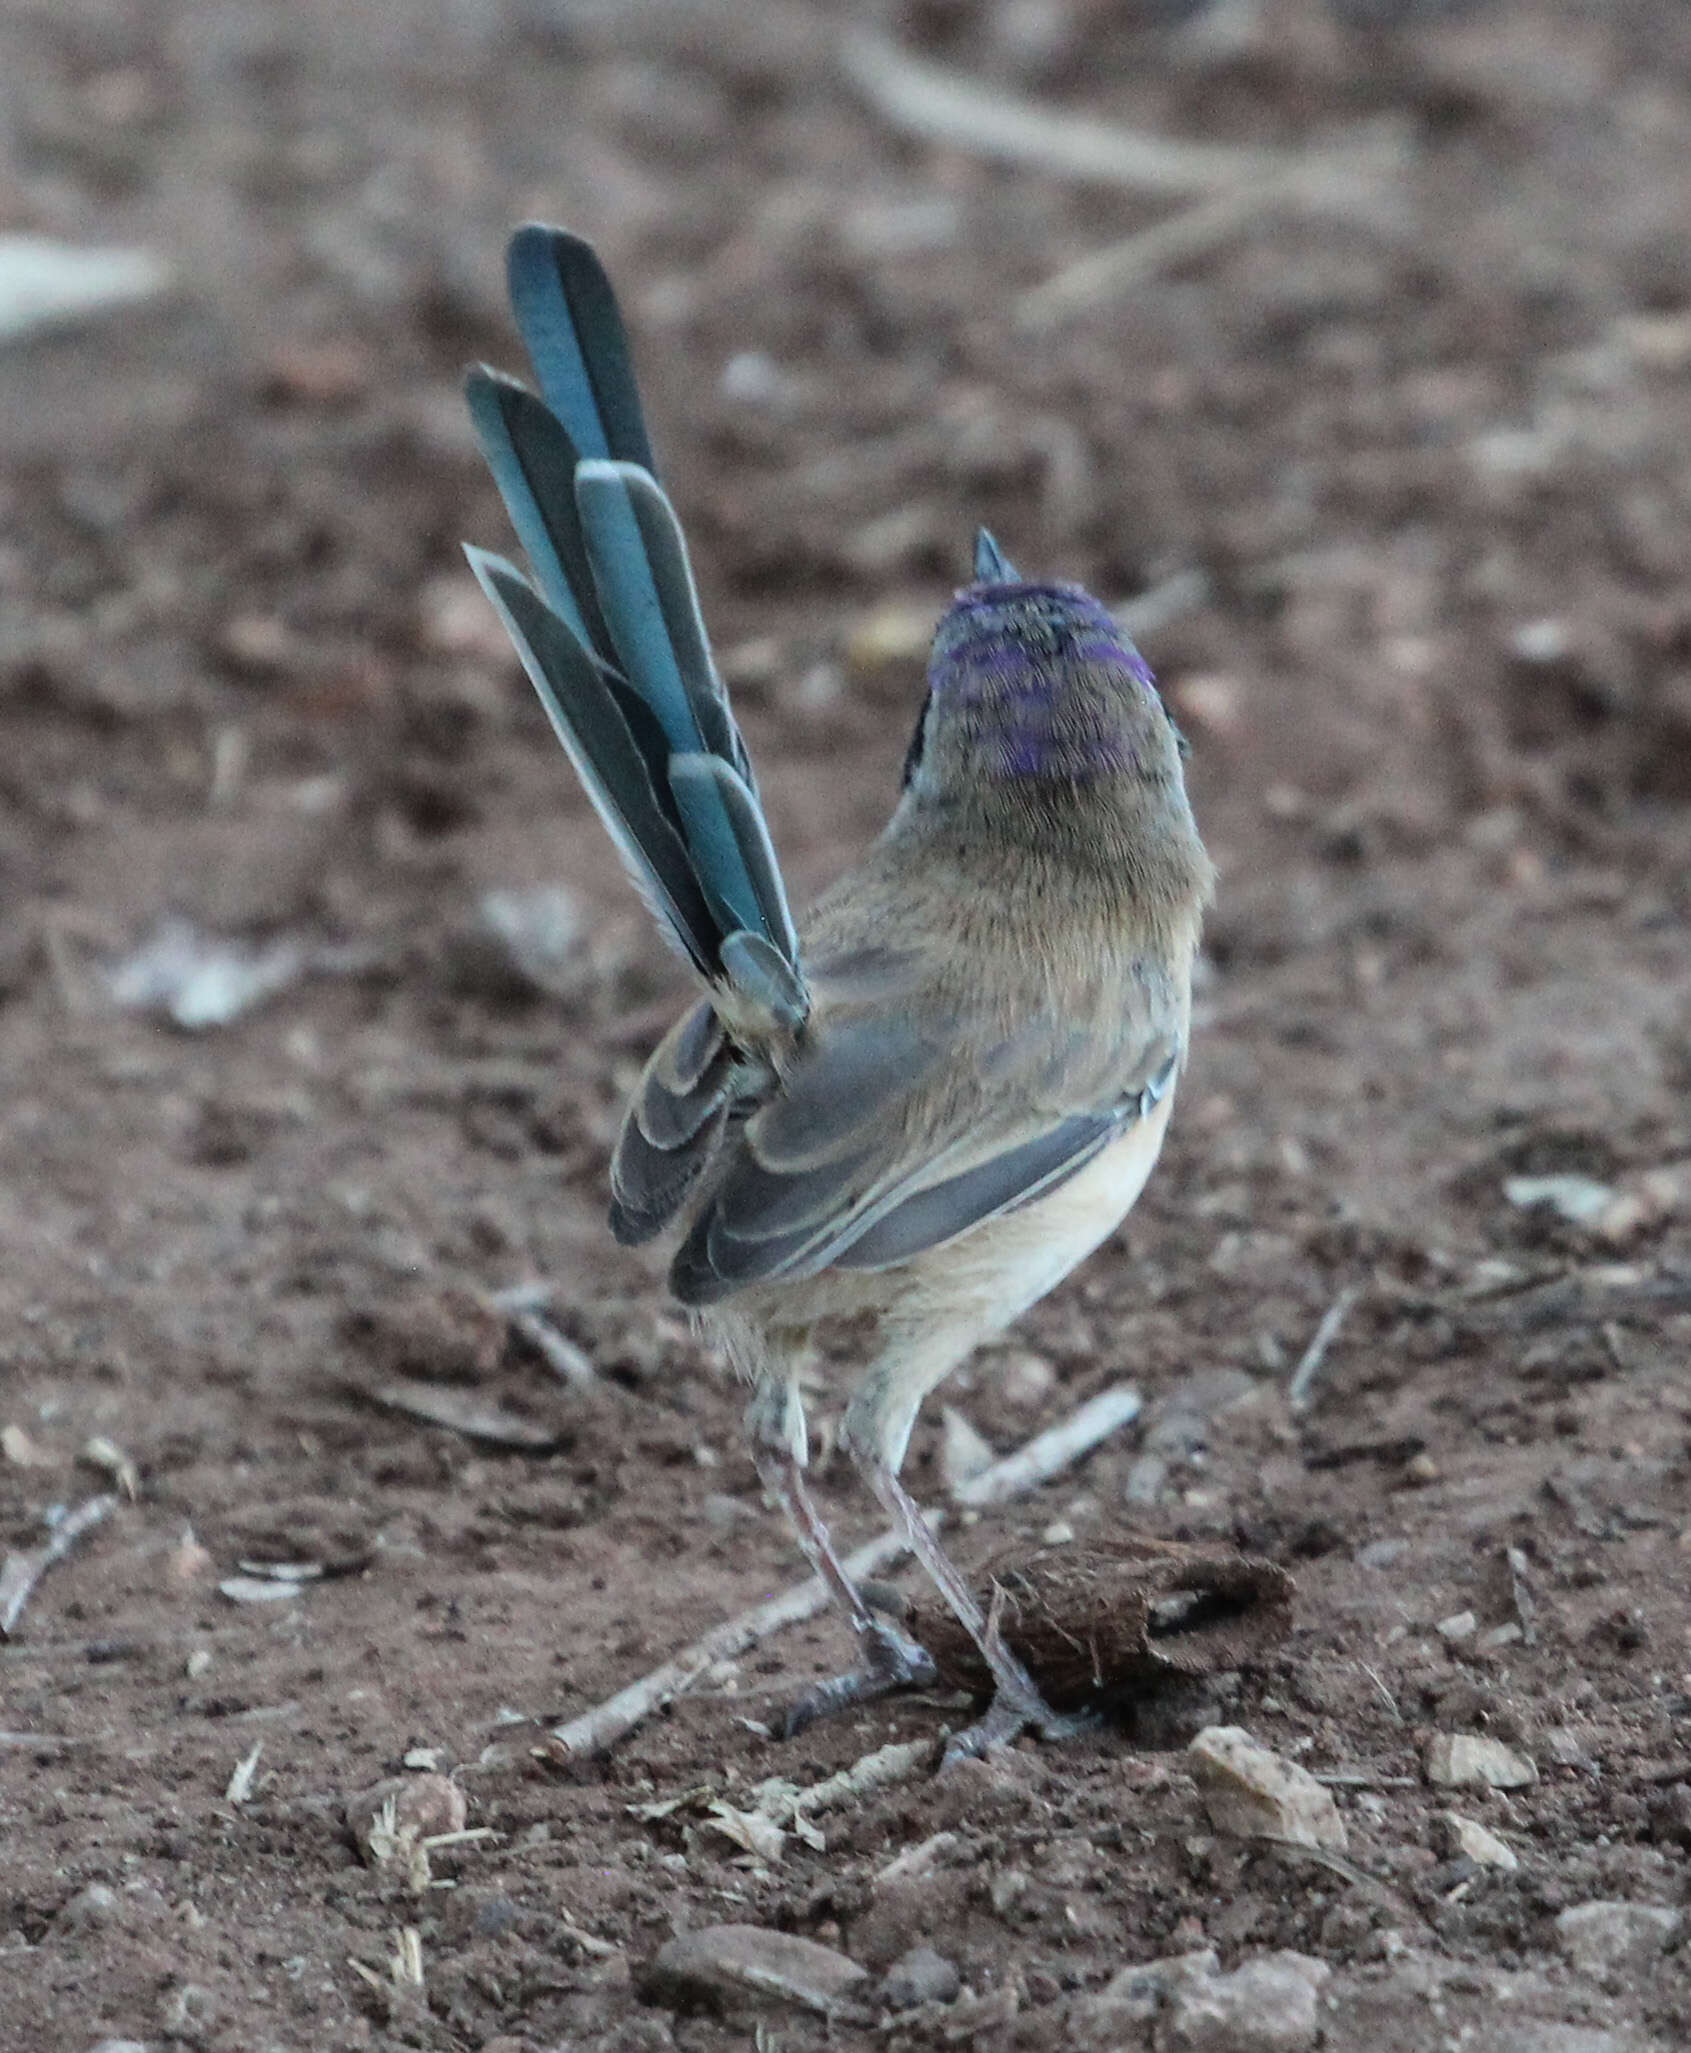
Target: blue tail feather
(569, 319)
(586, 719)
(533, 463)
(613, 638)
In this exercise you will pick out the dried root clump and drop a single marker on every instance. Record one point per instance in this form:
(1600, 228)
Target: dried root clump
(1117, 1618)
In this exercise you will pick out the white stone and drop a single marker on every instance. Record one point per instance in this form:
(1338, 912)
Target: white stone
(746, 1964)
(1115, 2016)
(1473, 1842)
(1468, 1760)
(1269, 2005)
(922, 1976)
(92, 1906)
(964, 1453)
(1251, 1793)
(1600, 1937)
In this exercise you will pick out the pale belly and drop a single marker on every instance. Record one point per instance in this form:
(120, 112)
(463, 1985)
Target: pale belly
(1011, 1262)
(928, 1313)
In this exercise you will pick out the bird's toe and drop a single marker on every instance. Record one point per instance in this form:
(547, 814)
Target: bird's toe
(892, 1660)
(1011, 1713)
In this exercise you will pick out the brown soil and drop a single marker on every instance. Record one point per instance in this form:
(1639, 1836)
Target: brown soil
(1432, 463)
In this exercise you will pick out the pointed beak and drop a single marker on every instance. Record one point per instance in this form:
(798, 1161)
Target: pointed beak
(992, 566)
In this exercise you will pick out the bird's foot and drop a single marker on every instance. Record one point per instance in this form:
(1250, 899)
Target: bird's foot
(1016, 1706)
(1012, 1712)
(891, 1660)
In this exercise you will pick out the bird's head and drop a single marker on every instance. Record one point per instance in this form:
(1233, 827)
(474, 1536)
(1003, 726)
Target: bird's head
(1035, 690)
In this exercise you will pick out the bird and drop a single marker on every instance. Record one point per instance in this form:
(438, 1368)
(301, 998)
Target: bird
(905, 1117)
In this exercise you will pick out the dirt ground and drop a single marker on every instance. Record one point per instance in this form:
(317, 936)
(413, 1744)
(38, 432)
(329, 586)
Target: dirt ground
(1406, 479)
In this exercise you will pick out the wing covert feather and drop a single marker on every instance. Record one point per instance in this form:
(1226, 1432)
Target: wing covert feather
(880, 1142)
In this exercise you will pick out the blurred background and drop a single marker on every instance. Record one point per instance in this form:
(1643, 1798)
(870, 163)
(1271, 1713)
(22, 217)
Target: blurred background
(1345, 345)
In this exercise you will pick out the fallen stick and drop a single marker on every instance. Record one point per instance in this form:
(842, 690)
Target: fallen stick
(1347, 176)
(1300, 1392)
(524, 1308)
(1044, 1456)
(569, 1363)
(1187, 591)
(949, 108)
(22, 1572)
(1111, 274)
(944, 107)
(1050, 1452)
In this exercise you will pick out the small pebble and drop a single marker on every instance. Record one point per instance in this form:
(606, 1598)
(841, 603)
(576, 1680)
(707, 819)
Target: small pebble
(744, 1964)
(424, 1807)
(1133, 1996)
(92, 1906)
(922, 1976)
(1026, 1380)
(1464, 1838)
(1250, 1792)
(964, 1453)
(1270, 2005)
(1466, 1760)
(1602, 1938)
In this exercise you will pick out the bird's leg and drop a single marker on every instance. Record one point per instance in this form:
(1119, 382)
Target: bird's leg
(890, 1658)
(1017, 1704)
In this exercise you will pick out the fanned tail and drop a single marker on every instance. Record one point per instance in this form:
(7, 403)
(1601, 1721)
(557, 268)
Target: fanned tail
(609, 630)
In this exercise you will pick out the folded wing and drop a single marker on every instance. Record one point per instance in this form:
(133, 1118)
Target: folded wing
(890, 1135)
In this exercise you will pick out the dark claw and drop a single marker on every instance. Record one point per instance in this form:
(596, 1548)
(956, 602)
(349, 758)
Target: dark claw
(1007, 1717)
(891, 1661)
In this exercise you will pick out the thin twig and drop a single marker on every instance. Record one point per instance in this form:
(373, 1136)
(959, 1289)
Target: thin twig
(944, 107)
(1045, 1456)
(1319, 1856)
(1187, 591)
(1300, 1391)
(523, 1306)
(1049, 1453)
(878, 1770)
(568, 1362)
(22, 1572)
(1386, 1697)
(1111, 274)
(1345, 178)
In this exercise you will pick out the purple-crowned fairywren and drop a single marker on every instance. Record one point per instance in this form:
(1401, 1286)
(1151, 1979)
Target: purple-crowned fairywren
(918, 1109)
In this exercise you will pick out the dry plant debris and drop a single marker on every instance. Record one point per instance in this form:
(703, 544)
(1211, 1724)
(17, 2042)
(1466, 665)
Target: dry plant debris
(400, 1822)
(45, 284)
(241, 1781)
(1111, 1619)
(101, 1453)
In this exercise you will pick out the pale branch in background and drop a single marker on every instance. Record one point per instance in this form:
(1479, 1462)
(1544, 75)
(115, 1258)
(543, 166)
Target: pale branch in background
(949, 108)
(1350, 171)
